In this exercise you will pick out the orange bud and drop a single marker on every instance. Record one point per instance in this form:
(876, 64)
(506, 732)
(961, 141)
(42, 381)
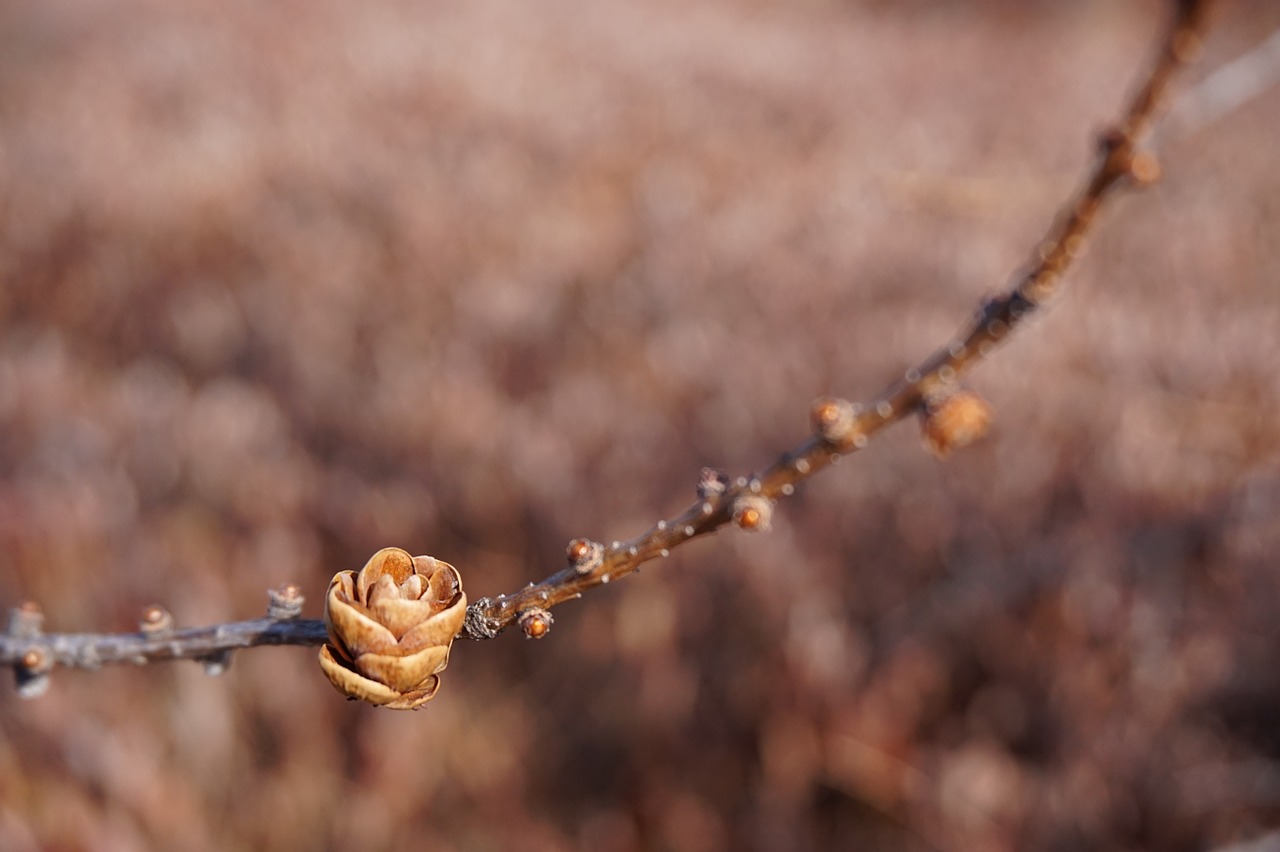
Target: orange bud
(535, 622)
(156, 620)
(833, 419)
(753, 513)
(585, 555)
(954, 420)
(1144, 168)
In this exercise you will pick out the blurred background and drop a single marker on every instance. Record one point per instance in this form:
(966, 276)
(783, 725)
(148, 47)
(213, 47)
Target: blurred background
(284, 283)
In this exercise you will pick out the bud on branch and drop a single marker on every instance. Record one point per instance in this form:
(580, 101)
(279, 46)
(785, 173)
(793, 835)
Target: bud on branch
(389, 626)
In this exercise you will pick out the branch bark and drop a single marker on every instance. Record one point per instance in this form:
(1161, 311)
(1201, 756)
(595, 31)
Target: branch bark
(34, 654)
(840, 427)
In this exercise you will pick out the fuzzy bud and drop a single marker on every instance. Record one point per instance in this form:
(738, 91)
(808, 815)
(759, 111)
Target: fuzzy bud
(1144, 168)
(953, 420)
(156, 621)
(833, 419)
(753, 513)
(535, 622)
(585, 555)
(390, 628)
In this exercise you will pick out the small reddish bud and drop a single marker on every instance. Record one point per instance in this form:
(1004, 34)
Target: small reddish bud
(753, 513)
(155, 620)
(585, 555)
(535, 622)
(953, 420)
(1144, 168)
(833, 419)
(32, 672)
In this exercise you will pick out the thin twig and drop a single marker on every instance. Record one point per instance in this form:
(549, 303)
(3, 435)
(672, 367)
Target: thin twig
(33, 653)
(840, 427)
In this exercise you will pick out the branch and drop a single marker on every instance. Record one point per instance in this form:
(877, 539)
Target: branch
(33, 654)
(951, 417)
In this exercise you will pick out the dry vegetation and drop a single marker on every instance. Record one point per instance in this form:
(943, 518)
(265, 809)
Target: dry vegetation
(285, 283)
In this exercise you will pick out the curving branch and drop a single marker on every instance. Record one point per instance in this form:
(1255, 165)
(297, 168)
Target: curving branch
(950, 417)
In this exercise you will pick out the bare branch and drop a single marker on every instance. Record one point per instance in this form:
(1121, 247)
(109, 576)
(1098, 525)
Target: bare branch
(33, 653)
(842, 427)
(951, 417)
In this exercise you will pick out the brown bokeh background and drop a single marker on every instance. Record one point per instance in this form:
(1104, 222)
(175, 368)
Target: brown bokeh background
(284, 283)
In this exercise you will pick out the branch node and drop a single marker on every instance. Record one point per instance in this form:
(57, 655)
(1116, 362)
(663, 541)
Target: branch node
(26, 620)
(535, 622)
(32, 672)
(753, 513)
(156, 621)
(835, 420)
(953, 418)
(284, 602)
(476, 624)
(712, 483)
(1115, 146)
(1020, 304)
(585, 555)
